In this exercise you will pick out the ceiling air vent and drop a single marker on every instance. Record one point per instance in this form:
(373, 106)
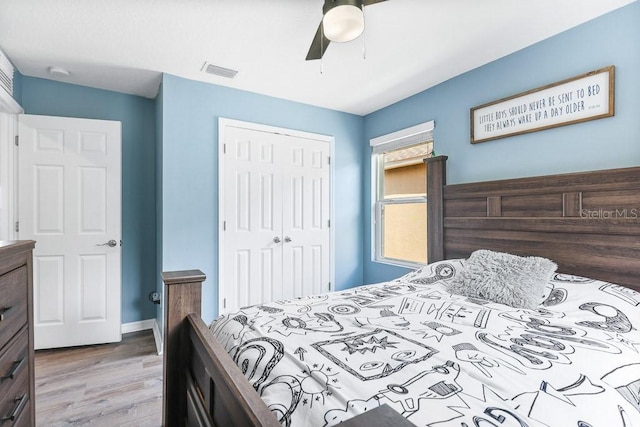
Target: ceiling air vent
(6, 73)
(219, 71)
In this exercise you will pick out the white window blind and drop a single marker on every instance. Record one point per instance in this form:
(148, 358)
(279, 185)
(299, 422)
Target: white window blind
(403, 138)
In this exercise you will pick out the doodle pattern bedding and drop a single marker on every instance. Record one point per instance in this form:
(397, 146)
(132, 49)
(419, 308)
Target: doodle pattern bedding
(445, 360)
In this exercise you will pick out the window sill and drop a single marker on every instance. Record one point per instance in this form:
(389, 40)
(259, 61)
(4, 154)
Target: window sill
(398, 263)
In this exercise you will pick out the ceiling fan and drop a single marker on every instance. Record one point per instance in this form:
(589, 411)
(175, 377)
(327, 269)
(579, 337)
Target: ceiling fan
(342, 21)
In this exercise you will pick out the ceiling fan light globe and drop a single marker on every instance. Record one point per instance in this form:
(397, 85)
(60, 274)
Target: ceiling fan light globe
(343, 23)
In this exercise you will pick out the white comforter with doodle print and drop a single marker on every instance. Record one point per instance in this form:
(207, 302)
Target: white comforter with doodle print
(445, 360)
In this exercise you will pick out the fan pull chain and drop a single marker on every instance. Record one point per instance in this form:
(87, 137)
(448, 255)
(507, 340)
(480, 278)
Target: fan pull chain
(321, 48)
(364, 46)
(364, 34)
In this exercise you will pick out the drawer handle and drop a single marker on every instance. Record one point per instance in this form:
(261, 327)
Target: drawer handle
(3, 311)
(21, 403)
(14, 369)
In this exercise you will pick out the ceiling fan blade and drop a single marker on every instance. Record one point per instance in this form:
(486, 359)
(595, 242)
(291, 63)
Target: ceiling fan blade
(318, 45)
(370, 2)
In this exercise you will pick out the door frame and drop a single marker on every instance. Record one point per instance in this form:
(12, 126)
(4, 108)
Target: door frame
(9, 110)
(223, 123)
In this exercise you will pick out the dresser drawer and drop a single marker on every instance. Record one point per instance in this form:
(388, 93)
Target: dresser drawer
(14, 362)
(16, 411)
(24, 419)
(13, 303)
(14, 385)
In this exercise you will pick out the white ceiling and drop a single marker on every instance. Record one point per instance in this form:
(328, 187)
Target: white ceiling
(411, 45)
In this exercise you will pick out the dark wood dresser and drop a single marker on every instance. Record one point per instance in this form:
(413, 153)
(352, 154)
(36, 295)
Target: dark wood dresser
(17, 392)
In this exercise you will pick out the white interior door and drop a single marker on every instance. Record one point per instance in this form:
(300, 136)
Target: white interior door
(69, 190)
(274, 214)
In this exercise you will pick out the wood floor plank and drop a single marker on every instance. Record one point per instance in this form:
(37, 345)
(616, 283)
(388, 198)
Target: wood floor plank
(101, 385)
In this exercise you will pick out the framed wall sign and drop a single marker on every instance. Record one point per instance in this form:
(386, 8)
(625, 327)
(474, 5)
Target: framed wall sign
(586, 97)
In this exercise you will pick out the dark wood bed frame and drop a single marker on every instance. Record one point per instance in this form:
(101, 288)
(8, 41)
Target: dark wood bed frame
(588, 223)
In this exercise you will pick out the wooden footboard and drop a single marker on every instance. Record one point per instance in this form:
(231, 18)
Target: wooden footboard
(202, 385)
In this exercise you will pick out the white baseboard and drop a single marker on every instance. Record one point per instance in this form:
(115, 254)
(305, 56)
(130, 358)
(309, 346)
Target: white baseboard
(144, 325)
(141, 325)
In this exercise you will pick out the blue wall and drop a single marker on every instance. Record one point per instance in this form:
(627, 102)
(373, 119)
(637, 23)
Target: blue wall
(190, 174)
(612, 39)
(137, 115)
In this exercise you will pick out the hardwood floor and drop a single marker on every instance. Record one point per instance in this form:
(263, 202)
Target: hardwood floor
(100, 385)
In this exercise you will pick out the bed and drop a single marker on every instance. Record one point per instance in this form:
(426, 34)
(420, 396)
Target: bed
(414, 353)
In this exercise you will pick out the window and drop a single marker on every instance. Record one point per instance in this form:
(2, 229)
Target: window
(399, 190)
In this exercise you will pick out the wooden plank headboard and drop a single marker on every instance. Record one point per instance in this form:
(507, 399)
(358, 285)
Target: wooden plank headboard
(587, 222)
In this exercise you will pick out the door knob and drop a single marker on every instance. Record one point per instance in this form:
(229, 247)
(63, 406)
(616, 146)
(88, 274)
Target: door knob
(276, 239)
(287, 239)
(111, 243)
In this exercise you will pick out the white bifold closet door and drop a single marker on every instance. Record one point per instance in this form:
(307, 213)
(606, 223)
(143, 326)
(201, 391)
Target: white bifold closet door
(274, 213)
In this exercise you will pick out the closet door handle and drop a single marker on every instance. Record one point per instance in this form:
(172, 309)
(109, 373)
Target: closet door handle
(276, 239)
(287, 239)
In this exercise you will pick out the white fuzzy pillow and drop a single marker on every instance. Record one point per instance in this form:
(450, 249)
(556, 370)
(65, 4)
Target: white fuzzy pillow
(504, 278)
